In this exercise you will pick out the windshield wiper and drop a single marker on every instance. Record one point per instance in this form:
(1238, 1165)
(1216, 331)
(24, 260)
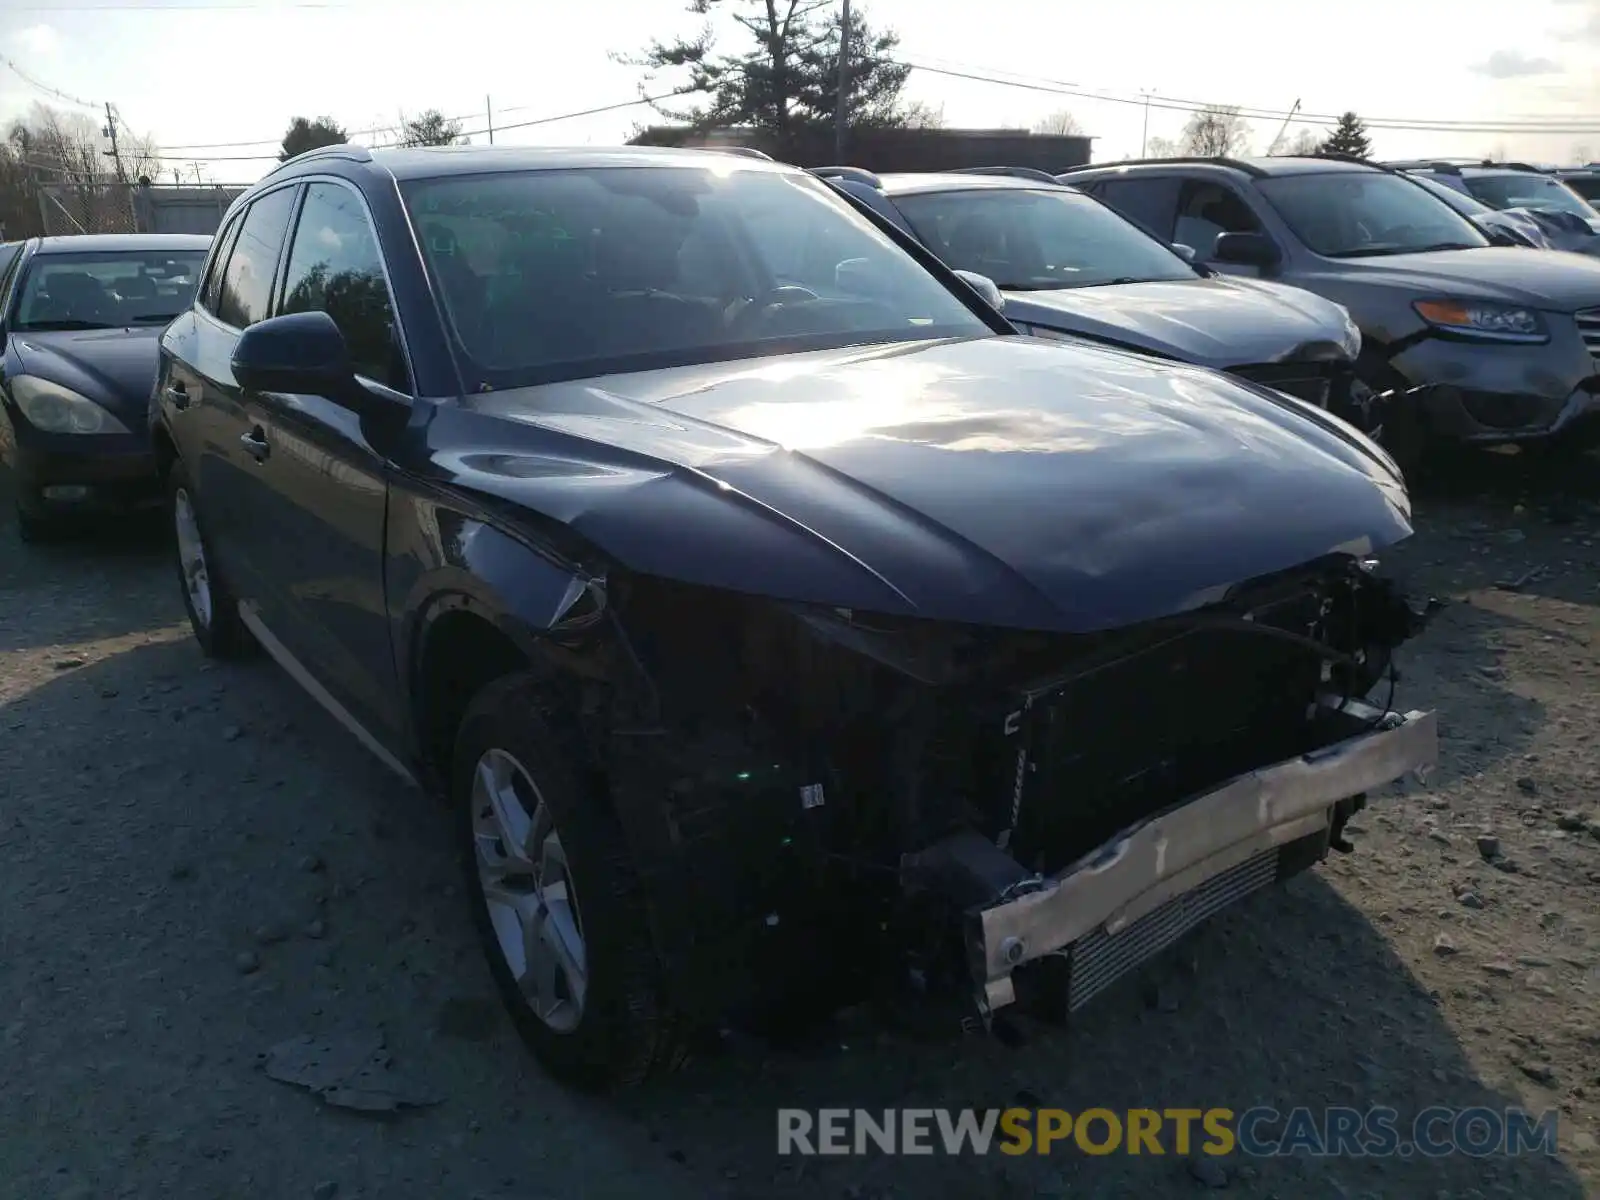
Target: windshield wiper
(1379, 251)
(66, 323)
(152, 318)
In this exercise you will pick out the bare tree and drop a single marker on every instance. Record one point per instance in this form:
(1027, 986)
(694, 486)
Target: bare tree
(917, 114)
(1216, 131)
(1581, 155)
(1060, 123)
(65, 153)
(428, 128)
(1304, 144)
(1160, 147)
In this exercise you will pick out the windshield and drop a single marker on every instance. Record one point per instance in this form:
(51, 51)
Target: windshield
(107, 290)
(1031, 240)
(1527, 191)
(1357, 214)
(1460, 201)
(563, 274)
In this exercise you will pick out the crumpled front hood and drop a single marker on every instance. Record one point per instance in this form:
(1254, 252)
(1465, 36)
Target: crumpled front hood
(998, 481)
(116, 368)
(1557, 281)
(1216, 322)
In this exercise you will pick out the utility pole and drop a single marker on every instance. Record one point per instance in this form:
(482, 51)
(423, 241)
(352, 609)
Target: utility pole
(111, 132)
(488, 112)
(1284, 128)
(840, 121)
(1144, 136)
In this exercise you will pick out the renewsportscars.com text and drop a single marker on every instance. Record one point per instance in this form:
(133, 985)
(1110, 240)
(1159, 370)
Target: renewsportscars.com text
(1260, 1131)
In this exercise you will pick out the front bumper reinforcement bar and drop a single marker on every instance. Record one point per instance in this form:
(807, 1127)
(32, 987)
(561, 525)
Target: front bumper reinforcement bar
(1171, 854)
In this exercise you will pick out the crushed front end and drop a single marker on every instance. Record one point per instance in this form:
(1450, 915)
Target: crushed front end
(811, 789)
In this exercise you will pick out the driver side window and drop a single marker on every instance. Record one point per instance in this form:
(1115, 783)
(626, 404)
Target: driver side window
(1206, 211)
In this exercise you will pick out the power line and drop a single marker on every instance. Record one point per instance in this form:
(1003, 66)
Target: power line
(1552, 125)
(567, 116)
(46, 88)
(147, 6)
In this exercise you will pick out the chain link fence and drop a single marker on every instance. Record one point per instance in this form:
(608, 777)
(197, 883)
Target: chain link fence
(112, 207)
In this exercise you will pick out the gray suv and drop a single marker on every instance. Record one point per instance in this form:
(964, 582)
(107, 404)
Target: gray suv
(1068, 266)
(1485, 344)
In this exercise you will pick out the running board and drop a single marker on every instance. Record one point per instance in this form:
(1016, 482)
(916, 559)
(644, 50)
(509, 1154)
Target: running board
(280, 654)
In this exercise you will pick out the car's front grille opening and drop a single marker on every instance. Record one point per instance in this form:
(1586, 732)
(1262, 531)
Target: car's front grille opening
(1312, 382)
(1099, 959)
(1589, 330)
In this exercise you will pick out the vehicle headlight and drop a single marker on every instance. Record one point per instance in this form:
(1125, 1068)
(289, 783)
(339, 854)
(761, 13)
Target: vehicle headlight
(51, 408)
(1042, 331)
(1491, 322)
(1350, 339)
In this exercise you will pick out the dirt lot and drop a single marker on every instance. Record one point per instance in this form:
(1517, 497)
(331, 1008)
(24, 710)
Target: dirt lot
(194, 865)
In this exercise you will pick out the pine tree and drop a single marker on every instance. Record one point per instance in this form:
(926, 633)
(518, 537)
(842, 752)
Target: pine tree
(1349, 137)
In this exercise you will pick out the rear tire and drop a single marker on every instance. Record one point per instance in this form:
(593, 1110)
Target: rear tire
(213, 612)
(530, 825)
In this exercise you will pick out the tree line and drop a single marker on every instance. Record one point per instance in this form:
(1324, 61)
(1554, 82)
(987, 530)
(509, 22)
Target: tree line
(1220, 130)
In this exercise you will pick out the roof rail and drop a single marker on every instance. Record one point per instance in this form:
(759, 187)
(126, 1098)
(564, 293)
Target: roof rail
(1237, 164)
(1515, 166)
(742, 151)
(1032, 173)
(854, 174)
(1444, 166)
(345, 150)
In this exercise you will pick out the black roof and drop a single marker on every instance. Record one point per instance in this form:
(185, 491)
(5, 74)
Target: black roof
(112, 243)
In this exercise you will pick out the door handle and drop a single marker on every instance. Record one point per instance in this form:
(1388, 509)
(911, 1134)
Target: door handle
(178, 395)
(255, 443)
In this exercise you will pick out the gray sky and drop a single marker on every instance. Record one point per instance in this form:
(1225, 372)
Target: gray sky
(194, 72)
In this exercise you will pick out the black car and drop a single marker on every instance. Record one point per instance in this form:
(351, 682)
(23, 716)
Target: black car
(81, 318)
(766, 630)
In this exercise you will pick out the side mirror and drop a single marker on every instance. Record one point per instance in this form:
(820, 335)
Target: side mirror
(985, 287)
(1246, 250)
(1184, 252)
(300, 352)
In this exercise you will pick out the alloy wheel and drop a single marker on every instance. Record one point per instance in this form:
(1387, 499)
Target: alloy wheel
(528, 888)
(192, 556)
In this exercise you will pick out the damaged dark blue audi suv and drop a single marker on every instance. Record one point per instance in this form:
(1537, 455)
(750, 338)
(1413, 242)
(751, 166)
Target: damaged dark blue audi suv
(772, 633)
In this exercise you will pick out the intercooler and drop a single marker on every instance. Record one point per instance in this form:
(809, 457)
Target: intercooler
(1099, 958)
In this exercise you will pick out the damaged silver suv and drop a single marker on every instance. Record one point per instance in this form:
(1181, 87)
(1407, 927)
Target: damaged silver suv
(766, 627)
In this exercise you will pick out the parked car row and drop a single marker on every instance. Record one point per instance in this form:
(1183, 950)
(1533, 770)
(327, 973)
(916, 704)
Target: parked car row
(1484, 344)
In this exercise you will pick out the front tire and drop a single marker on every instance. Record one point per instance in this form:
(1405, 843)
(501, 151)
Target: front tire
(213, 612)
(556, 898)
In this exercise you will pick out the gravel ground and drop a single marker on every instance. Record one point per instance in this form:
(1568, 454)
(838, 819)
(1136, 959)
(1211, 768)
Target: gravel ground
(195, 865)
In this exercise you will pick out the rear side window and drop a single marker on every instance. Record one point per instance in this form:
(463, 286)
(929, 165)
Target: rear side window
(1151, 203)
(335, 267)
(247, 280)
